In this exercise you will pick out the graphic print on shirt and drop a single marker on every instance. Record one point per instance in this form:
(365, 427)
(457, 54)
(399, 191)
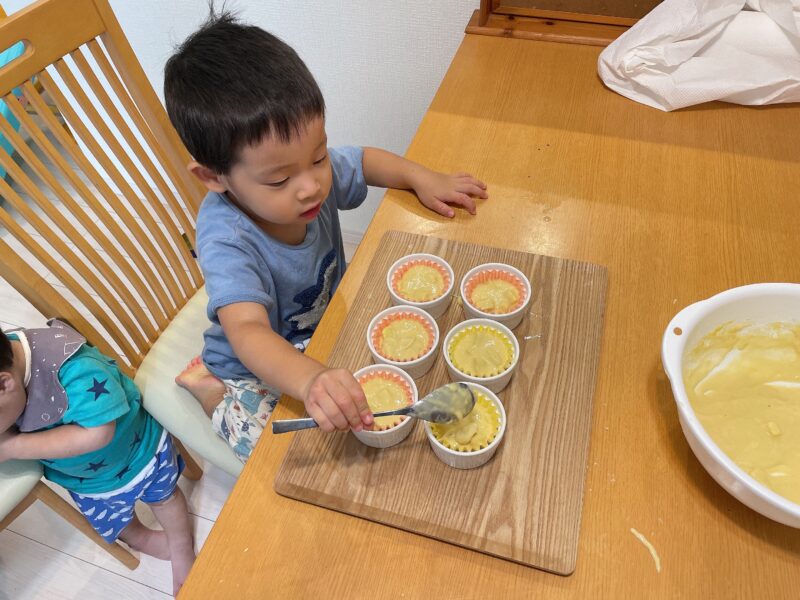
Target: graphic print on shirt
(314, 300)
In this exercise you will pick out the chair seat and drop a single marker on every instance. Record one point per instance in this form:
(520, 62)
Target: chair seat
(17, 479)
(170, 404)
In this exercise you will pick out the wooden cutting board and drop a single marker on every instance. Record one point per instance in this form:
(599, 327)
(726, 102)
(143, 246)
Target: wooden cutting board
(524, 504)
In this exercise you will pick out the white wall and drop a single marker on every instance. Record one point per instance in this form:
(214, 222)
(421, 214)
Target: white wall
(378, 62)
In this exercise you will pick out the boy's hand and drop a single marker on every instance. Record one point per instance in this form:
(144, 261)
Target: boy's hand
(335, 400)
(437, 190)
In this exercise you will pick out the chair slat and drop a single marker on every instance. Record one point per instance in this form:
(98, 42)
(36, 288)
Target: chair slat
(101, 287)
(108, 220)
(111, 110)
(131, 303)
(175, 294)
(76, 89)
(174, 173)
(51, 264)
(119, 50)
(119, 209)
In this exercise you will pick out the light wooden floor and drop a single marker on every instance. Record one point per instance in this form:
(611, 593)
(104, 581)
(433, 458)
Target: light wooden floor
(42, 557)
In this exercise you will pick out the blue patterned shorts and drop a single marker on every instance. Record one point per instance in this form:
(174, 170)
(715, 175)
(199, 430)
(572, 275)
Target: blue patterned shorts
(111, 512)
(243, 413)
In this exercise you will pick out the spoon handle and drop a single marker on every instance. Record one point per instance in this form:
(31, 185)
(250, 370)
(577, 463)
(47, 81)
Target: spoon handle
(288, 425)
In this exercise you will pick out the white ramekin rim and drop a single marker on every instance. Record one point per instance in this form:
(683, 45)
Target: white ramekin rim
(494, 443)
(420, 256)
(407, 421)
(407, 363)
(502, 267)
(488, 323)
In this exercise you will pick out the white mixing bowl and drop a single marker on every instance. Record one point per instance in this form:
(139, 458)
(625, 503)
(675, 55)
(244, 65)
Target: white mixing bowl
(758, 303)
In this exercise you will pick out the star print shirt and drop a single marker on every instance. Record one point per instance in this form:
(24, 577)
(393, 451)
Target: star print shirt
(241, 263)
(99, 393)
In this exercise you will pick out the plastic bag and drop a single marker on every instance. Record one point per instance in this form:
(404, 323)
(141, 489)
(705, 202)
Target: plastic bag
(686, 52)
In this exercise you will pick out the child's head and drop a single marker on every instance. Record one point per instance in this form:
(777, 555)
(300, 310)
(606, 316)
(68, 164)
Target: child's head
(253, 118)
(12, 386)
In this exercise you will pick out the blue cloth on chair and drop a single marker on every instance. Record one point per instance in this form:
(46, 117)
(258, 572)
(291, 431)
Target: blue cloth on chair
(6, 57)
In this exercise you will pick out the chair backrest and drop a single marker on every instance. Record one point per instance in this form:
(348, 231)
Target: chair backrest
(99, 208)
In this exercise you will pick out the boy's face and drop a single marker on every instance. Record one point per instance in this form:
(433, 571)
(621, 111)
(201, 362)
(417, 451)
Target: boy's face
(281, 186)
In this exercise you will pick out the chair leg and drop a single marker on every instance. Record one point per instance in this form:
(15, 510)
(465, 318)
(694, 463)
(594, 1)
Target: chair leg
(18, 510)
(193, 471)
(77, 520)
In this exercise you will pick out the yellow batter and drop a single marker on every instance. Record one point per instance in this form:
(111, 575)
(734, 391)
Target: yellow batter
(495, 297)
(404, 339)
(421, 283)
(743, 382)
(385, 394)
(481, 351)
(473, 432)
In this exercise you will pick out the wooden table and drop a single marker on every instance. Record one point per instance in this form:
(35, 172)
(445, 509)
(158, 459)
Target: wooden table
(678, 206)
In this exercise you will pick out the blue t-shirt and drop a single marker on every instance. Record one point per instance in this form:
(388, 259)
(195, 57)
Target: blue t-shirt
(241, 263)
(99, 393)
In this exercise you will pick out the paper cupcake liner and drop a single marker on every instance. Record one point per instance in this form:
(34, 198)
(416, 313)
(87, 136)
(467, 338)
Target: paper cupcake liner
(401, 270)
(459, 337)
(393, 377)
(487, 275)
(377, 331)
(490, 407)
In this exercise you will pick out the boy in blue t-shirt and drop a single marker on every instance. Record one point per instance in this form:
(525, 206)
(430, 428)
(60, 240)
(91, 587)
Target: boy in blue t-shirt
(268, 236)
(70, 407)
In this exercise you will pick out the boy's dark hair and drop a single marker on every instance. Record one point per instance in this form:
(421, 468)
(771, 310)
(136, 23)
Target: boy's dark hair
(229, 85)
(6, 353)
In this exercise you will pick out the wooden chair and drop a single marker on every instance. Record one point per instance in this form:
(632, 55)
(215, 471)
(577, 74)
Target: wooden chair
(107, 240)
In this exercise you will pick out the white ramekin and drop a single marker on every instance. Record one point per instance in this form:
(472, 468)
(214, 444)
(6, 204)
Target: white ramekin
(510, 320)
(470, 460)
(495, 383)
(759, 303)
(435, 308)
(419, 366)
(395, 435)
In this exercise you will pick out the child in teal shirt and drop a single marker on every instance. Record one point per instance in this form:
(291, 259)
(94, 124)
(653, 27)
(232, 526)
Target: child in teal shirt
(64, 403)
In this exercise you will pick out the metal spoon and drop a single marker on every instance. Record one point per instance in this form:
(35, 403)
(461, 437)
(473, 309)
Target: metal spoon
(447, 404)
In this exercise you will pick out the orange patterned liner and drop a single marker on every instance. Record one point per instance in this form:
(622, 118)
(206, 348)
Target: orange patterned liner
(377, 332)
(393, 377)
(484, 276)
(401, 270)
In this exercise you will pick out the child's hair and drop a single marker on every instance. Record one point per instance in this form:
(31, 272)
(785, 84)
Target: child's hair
(230, 85)
(6, 353)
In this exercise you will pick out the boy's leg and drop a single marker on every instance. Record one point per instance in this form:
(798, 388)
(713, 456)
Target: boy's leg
(145, 540)
(207, 389)
(173, 515)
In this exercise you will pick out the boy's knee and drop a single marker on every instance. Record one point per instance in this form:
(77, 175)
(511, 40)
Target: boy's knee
(168, 500)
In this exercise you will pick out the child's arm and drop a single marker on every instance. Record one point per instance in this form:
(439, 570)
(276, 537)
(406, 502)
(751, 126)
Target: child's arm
(60, 442)
(333, 397)
(435, 190)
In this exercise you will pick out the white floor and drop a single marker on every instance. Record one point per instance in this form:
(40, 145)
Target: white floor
(44, 558)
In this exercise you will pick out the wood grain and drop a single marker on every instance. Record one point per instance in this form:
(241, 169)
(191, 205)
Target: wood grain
(525, 504)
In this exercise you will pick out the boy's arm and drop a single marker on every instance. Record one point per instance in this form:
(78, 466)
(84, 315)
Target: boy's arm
(60, 442)
(333, 398)
(435, 190)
